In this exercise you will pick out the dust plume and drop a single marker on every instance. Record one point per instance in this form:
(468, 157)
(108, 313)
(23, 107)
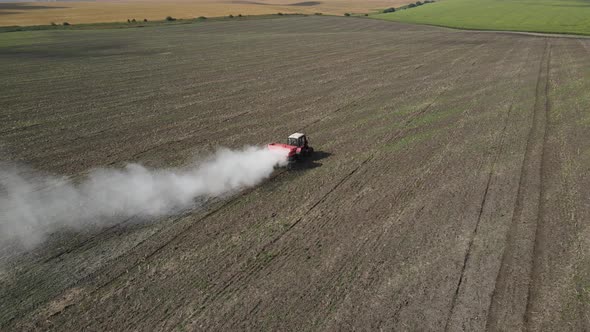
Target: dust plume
(31, 207)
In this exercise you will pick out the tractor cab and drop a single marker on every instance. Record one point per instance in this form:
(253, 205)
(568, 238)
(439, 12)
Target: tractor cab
(299, 140)
(297, 147)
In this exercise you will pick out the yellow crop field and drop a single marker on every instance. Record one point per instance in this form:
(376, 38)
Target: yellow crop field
(41, 13)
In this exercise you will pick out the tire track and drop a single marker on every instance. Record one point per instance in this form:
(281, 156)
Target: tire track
(491, 174)
(583, 309)
(480, 213)
(538, 247)
(371, 248)
(507, 310)
(406, 127)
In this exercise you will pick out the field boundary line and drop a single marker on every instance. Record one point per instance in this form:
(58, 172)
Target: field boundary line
(530, 33)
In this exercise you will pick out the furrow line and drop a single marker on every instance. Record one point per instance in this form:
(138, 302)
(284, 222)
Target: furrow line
(492, 172)
(477, 223)
(506, 310)
(540, 226)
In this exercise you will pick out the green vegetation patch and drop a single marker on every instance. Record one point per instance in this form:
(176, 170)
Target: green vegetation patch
(408, 141)
(548, 16)
(435, 116)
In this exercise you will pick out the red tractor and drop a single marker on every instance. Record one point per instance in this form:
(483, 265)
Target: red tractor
(297, 146)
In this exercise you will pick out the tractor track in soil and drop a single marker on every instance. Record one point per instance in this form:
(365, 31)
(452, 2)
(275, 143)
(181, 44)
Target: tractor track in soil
(583, 308)
(479, 216)
(499, 150)
(485, 191)
(532, 163)
(540, 241)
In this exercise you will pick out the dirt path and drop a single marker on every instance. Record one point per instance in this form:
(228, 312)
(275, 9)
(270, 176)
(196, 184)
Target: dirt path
(450, 191)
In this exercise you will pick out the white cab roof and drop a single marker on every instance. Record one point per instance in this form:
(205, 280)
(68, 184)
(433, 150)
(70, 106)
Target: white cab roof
(296, 135)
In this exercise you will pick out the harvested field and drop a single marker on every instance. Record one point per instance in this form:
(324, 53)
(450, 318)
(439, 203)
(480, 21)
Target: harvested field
(450, 191)
(99, 11)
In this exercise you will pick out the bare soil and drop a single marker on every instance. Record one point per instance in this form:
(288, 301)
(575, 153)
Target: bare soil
(450, 192)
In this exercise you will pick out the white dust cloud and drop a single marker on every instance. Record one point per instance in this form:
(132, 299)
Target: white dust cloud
(31, 207)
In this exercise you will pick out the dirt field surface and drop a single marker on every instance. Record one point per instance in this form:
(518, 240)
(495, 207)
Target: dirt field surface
(450, 191)
(43, 13)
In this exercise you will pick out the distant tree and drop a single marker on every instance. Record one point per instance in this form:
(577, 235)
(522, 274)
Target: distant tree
(412, 5)
(231, 16)
(133, 21)
(318, 14)
(128, 21)
(202, 18)
(279, 13)
(418, 3)
(66, 23)
(170, 18)
(346, 14)
(366, 14)
(239, 15)
(389, 10)
(53, 23)
(145, 19)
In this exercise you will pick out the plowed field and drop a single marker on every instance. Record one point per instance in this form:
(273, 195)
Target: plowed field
(451, 189)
